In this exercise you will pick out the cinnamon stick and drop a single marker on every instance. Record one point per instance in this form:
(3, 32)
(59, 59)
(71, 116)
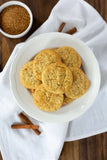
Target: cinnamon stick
(73, 30)
(27, 121)
(61, 27)
(24, 126)
(24, 118)
(37, 131)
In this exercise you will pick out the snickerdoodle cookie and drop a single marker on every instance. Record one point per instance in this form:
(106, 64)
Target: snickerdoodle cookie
(44, 58)
(46, 100)
(27, 77)
(69, 56)
(57, 78)
(80, 84)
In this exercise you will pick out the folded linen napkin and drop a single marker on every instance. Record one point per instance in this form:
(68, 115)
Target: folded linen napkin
(24, 144)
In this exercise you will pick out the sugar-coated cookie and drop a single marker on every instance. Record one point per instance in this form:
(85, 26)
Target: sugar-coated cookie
(46, 100)
(27, 77)
(80, 84)
(44, 58)
(57, 78)
(69, 56)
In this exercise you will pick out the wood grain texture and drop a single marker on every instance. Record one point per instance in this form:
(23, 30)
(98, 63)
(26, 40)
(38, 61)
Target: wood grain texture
(92, 148)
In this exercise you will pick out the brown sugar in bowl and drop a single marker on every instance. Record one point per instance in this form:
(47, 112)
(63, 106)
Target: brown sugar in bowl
(15, 19)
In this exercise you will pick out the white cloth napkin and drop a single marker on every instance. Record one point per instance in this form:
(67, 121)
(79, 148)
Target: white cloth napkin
(25, 144)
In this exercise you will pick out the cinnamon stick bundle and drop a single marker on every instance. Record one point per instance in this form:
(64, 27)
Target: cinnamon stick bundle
(27, 121)
(71, 31)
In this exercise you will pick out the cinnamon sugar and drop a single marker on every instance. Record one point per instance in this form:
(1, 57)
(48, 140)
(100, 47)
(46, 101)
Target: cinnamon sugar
(14, 19)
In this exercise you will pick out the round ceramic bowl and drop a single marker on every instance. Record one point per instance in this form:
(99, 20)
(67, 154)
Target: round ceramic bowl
(11, 3)
(69, 111)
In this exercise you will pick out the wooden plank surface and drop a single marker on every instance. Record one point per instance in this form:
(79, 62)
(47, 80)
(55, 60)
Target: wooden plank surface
(93, 148)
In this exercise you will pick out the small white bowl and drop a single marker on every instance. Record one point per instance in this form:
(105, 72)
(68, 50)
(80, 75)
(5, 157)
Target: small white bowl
(11, 3)
(54, 40)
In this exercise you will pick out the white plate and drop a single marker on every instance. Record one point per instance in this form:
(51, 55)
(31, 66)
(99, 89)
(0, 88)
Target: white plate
(54, 40)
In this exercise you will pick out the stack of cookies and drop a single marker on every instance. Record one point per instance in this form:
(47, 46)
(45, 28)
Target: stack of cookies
(54, 78)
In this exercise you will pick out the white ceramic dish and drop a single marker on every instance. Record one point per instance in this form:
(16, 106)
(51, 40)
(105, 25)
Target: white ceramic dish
(3, 6)
(54, 40)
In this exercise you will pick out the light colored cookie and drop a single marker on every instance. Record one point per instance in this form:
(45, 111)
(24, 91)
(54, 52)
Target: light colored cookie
(80, 84)
(44, 58)
(47, 101)
(69, 56)
(27, 78)
(67, 100)
(57, 78)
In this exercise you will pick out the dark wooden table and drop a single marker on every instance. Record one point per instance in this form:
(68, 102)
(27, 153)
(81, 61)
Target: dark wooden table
(93, 148)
